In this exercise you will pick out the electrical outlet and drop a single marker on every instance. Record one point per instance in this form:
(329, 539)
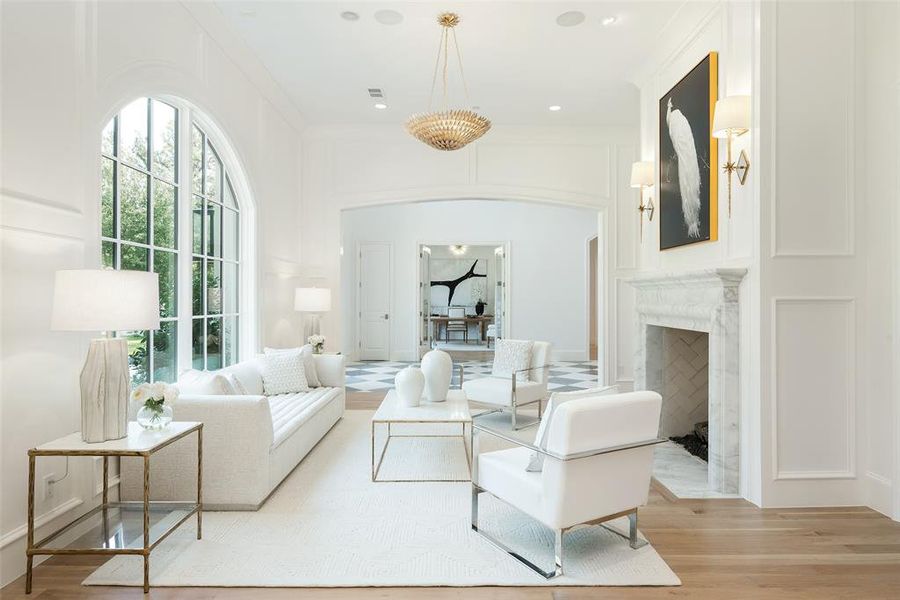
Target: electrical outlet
(47, 487)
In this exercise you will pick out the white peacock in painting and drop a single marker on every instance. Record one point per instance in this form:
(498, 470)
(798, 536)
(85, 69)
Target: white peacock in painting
(688, 167)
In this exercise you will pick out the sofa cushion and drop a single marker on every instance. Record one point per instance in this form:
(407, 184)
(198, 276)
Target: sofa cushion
(309, 363)
(207, 383)
(248, 372)
(284, 373)
(290, 411)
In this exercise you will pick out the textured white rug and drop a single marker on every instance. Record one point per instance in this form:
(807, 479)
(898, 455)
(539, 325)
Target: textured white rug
(328, 525)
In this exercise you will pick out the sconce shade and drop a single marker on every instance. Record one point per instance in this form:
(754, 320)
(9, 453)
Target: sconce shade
(641, 174)
(732, 116)
(312, 299)
(105, 300)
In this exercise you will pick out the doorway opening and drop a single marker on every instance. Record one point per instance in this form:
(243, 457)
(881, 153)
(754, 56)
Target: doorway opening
(593, 308)
(462, 297)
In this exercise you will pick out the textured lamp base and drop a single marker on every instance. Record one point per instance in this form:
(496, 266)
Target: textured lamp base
(311, 325)
(104, 391)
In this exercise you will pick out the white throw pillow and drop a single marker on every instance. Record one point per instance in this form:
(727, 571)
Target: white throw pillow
(284, 373)
(204, 383)
(236, 384)
(309, 363)
(536, 463)
(512, 355)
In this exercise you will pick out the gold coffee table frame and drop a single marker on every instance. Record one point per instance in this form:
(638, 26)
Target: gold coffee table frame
(453, 411)
(137, 443)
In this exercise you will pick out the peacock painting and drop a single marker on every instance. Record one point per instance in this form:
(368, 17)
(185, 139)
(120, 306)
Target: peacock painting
(687, 159)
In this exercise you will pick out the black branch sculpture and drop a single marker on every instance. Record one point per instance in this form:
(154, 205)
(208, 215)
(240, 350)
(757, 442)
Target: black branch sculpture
(452, 284)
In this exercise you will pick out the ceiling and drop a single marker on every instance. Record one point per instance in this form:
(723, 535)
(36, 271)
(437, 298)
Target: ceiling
(517, 60)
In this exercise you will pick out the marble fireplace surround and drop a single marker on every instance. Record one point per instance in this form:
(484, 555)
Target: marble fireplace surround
(704, 300)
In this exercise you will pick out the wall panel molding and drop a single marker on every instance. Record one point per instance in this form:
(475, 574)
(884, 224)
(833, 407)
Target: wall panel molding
(841, 310)
(781, 247)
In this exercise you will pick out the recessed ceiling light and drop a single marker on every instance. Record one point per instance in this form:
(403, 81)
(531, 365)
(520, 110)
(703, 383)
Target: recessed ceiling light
(570, 19)
(248, 12)
(607, 21)
(555, 107)
(388, 17)
(349, 15)
(380, 105)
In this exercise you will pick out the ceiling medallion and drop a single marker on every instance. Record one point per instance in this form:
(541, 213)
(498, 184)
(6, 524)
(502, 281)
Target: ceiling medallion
(449, 128)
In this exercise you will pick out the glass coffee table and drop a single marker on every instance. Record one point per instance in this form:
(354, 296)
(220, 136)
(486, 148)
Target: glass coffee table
(455, 410)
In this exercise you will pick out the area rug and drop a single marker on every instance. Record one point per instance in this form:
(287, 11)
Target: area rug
(328, 525)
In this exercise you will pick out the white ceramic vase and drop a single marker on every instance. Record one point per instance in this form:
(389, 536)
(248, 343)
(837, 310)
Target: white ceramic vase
(438, 369)
(409, 383)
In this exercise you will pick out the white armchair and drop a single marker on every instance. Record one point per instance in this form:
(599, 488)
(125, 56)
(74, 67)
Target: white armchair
(521, 388)
(598, 458)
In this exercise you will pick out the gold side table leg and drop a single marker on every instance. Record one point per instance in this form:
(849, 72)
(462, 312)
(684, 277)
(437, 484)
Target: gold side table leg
(29, 565)
(146, 523)
(200, 483)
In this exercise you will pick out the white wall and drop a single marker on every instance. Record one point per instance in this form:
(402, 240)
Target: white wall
(829, 179)
(350, 167)
(67, 68)
(548, 254)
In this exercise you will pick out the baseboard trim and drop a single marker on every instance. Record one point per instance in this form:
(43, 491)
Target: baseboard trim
(879, 493)
(39, 521)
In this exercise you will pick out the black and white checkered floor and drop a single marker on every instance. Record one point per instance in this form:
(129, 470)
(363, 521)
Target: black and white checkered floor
(368, 376)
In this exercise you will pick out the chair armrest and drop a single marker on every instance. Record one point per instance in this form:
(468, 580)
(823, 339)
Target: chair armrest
(331, 369)
(566, 457)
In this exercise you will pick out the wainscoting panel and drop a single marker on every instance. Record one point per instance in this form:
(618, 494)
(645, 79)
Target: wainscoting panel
(813, 207)
(813, 379)
(401, 165)
(581, 169)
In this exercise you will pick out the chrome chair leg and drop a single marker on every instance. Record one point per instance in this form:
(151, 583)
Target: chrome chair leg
(558, 553)
(633, 539)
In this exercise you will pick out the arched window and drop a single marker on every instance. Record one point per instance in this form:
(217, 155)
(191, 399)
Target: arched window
(215, 237)
(159, 175)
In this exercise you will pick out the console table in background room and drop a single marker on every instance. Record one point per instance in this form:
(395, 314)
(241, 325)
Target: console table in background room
(134, 528)
(483, 321)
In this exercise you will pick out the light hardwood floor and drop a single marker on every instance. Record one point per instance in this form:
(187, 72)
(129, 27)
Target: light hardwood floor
(721, 549)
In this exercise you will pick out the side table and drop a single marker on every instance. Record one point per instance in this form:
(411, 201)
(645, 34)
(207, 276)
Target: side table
(134, 528)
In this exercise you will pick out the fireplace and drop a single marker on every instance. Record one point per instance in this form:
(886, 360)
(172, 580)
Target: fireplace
(699, 309)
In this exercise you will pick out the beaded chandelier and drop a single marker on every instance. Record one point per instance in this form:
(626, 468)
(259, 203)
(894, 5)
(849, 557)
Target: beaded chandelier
(447, 129)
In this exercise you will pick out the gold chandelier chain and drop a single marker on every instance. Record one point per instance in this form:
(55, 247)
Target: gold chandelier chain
(437, 62)
(462, 75)
(446, 37)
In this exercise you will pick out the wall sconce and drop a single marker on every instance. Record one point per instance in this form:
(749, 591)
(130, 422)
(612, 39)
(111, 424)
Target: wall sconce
(642, 177)
(731, 119)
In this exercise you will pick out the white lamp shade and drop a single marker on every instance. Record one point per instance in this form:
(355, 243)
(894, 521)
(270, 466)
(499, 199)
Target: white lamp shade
(732, 115)
(312, 299)
(641, 174)
(105, 300)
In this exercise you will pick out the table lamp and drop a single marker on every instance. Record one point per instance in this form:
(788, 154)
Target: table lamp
(312, 301)
(106, 301)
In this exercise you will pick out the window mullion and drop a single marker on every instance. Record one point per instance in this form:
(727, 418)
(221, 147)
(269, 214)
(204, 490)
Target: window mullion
(185, 243)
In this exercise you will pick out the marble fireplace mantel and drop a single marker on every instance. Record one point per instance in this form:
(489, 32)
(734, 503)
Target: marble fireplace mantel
(702, 300)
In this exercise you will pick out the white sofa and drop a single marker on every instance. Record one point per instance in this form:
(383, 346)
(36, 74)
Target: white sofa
(250, 443)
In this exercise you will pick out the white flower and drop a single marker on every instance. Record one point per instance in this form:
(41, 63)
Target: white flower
(141, 393)
(171, 394)
(157, 390)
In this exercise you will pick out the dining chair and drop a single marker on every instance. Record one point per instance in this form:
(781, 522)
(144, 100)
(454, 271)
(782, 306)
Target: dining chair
(456, 322)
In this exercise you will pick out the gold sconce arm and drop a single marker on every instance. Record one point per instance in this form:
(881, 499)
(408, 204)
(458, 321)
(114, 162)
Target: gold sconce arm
(642, 208)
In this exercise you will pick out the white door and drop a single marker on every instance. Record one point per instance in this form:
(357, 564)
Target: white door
(374, 301)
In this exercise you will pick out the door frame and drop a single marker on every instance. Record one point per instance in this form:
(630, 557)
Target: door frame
(417, 331)
(390, 319)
